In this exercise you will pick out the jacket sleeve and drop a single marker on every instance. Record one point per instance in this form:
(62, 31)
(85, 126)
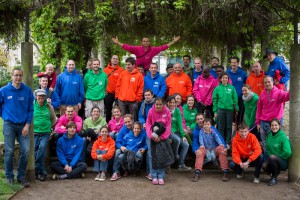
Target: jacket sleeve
(30, 108)
(253, 111)
(235, 153)
(94, 149)
(111, 150)
(196, 91)
(78, 122)
(286, 73)
(195, 143)
(256, 148)
(284, 96)
(144, 143)
(189, 86)
(201, 141)
(141, 117)
(209, 100)
(58, 86)
(130, 48)
(167, 132)
(81, 91)
(58, 129)
(120, 138)
(55, 101)
(53, 80)
(179, 122)
(162, 89)
(140, 89)
(217, 139)
(60, 152)
(215, 99)
(158, 49)
(78, 151)
(235, 99)
(286, 148)
(258, 111)
(52, 115)
(220, 136)
(119, 82)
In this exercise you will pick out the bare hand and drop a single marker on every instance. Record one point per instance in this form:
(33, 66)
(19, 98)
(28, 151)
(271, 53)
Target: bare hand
(79, 106)
(258, 127)
(49, 100)
(123, 148)
(175, 39)
(51, 89)
(156, 139)
(184, 139)
(25, 130)
(115, 40)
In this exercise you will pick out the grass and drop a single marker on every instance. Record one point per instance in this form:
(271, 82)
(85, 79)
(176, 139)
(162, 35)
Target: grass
(6, 190)
(1, 131)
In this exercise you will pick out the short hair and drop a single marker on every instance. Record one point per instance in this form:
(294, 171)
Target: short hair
(191, 96)
(207, 120)
(138, 123)
(247, 86)
(215, 58)
(159, 99)
(187, 56)
(206, 68)
(153, 63)
(236, 58)
(242, 126)
(94, 59)
(49, 65)
(149, 90)
(268, 76)
(89, 62)
(224, 74)
(220, 67)
(141, 66)
(16, 69)
(198, 114)
(71, 124)
(43, 76)
(170, 98)
(69, 106)
(116, 107)
(198, 58)
(103, 128)
(128, 115)
(275, 120)
(130, 60)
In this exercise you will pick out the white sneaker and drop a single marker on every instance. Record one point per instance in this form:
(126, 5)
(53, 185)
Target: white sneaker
(240, 176)
(102, 177)
(256, 180)
(97, 178)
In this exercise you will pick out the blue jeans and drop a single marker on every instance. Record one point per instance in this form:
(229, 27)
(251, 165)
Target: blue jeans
(116, 166)
(12, 131)
(40, 150)
(265, 128)
(255, 163)
(176, 142)
(210, 156)
(158, 173)
(113, 135)
(100, 166)
(149, 157)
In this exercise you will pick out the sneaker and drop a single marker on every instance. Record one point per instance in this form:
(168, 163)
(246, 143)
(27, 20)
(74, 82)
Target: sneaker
(225, 177)
(196, 178)
(102, 177)
(23, 181)
(154, 181)
(272, 181)
(149, 177)
(10, 181)
(256, 180)
(82, 175)
(161, 181)
(240, 176)
(55, 177)
(177, 157)
(97, 178)
(184, 167)
(115, 176)
(42, 177)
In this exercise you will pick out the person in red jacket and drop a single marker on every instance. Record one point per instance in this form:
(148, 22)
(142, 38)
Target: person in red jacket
(179, 82)
(112, 71)
(102, 151)
(246, 152)
(256, 79)
(129, 89)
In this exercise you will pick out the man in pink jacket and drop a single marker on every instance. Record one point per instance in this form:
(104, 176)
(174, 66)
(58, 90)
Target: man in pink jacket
(144, 53)
(203, 89)
(60, 127)
(270, 105)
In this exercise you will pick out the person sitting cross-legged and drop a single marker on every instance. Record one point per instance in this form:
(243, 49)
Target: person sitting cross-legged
(211, 147)
(103, 150)
(246, 152)
(68, 149)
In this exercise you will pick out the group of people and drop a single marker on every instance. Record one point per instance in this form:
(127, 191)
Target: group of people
(140, 126)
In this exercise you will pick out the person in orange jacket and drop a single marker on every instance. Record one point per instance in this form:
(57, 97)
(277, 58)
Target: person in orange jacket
(103, 150)
(246, 152)
(129, 89)
(112, 71)
(256, 79)
(179, 82)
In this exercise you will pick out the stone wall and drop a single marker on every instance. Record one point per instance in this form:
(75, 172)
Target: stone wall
(16, 154)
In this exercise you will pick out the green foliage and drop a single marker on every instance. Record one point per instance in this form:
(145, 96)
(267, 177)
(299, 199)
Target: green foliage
(5, 77)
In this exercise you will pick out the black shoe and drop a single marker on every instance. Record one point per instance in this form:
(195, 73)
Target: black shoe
(272, 181)
(23, 181)
(196, 178)
(42, 177)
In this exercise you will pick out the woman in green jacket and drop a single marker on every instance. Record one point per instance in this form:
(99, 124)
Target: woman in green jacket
(225, 103)
(189, 113)
(177, 134)
(250, 101)
(278, 149)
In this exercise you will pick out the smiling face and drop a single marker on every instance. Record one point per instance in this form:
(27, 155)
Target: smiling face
(145, 42)
(95, 113)
(129, 66)
(148, 96)
(128, 122)
(190, 102)
(43, 82)
(275, 126)
(136, 129)
(49, 69)
(41, 99)
(70, 112)
(117, 113)
(178, 100)
(71, 131)
(114, 60)
(224, 79)
(198, 64)
(271, 57)
(234, 64)
(243, 133)
(104, 133)
(177, 68)
(171, 104)
(214, 62)
(70, 66)
(206, 127)
(268, 82)
(199, 120)
(245, 91)
(256, 67)
(17, 76)
(153, 69)
(159, 105)
(95, 65)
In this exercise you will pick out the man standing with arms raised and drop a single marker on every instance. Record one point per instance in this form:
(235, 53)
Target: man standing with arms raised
(16, 109)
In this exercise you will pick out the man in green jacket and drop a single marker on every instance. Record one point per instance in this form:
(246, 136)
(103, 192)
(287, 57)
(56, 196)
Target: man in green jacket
(44, 119)
(95, 83)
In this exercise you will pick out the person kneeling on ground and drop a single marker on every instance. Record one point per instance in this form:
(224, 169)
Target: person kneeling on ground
(211, 147)
(103, 150)
(246, 152)
(133, 149)
(68, 149)
(278, 149)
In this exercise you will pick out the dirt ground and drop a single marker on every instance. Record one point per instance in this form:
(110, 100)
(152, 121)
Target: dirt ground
(178, 186)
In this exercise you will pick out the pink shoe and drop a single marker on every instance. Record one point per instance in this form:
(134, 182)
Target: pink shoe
(154, 181)
(161, 181)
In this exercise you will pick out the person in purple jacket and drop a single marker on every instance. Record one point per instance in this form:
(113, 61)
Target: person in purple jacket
(145, 52)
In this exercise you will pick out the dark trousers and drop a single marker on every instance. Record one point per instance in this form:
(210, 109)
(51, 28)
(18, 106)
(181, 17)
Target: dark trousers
(225, 118)
(207, 111)
(274, 164)
(108, 103)
(76, 172)
(255, 163)
(241, 113)
(129, 108)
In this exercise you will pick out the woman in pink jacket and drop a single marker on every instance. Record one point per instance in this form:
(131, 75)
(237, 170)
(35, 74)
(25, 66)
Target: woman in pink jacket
(144, 53)
(158, 113)
(116, 123)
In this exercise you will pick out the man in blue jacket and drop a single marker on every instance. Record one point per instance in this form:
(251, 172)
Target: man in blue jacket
(277, 63)
(238, 78)
(68, 149)
(16, 109)
(154, 81)
(69, 87)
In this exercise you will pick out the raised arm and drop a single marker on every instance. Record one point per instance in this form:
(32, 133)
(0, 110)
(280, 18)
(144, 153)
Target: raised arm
(116, 41)
(175, 39)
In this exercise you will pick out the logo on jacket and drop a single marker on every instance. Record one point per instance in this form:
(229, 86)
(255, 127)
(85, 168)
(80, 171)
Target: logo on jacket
(73, 146)
(74, 83)
(240, 79)
(181, 82)
(164, 115)
(21, 98)
(100, 82)
(132, 79)
(9, 97)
